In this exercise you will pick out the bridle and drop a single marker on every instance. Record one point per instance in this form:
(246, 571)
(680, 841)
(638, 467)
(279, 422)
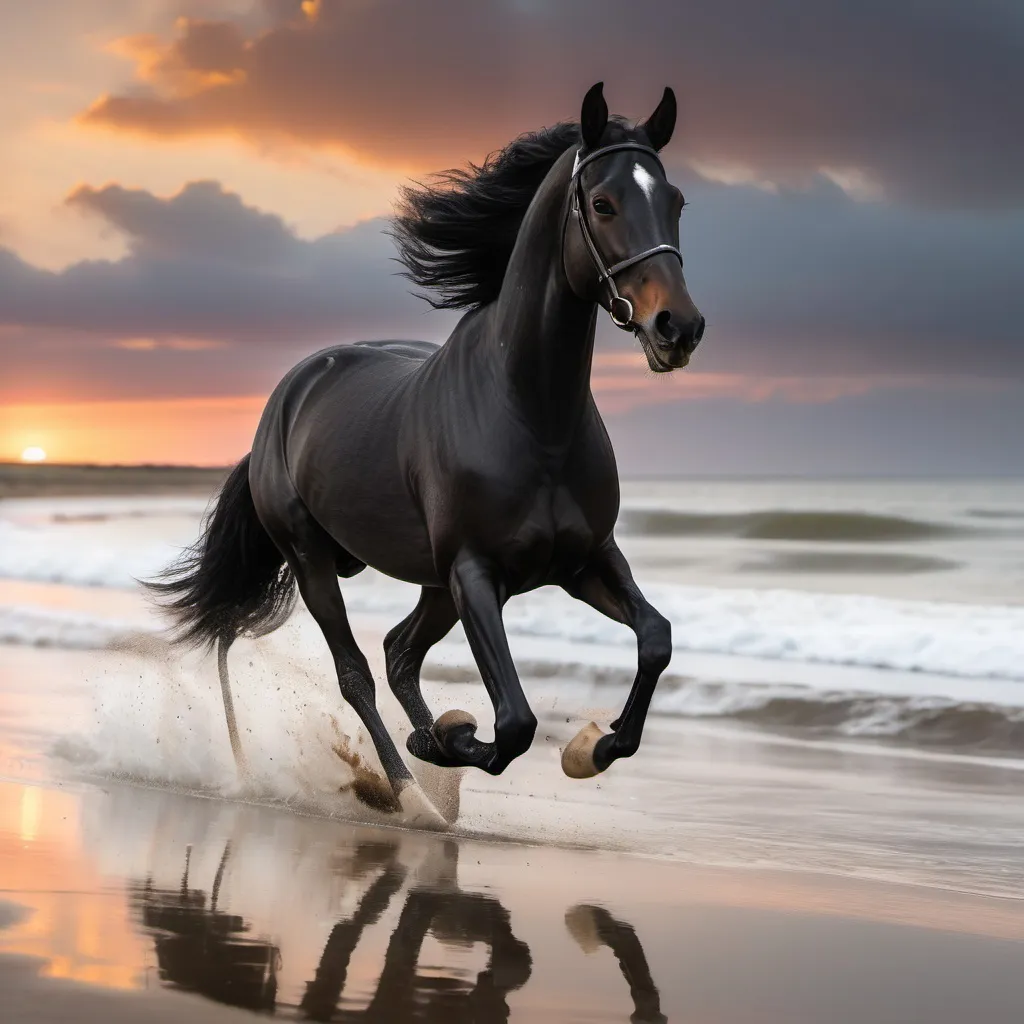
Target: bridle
(620, 309)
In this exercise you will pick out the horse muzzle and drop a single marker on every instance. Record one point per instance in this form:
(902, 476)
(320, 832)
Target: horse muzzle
(671, 339)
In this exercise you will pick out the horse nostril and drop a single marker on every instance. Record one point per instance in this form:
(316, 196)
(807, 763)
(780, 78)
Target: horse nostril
(666, 326)
(700, 330)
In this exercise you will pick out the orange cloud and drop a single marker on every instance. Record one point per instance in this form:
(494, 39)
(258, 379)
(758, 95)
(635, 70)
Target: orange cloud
(179, 344)
(207, 54)
(416, 85)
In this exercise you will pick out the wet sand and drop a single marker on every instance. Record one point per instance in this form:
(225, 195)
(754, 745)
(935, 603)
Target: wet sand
(725, 874)
(123, 903)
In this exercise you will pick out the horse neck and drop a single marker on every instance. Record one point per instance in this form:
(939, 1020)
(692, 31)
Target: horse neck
(544, 333)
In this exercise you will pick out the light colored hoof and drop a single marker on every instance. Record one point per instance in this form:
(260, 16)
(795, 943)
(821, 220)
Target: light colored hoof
(578, 756)
(418, 811)
(442, 786)
(450, 719)
(447, 722)
(582, 926)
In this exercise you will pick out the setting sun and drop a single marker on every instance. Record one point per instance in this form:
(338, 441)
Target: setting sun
(33, 454)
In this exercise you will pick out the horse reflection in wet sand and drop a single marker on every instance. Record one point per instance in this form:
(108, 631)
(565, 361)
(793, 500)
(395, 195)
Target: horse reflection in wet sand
(479, 469)
(455, 918)
(593, 927)
(200, 948)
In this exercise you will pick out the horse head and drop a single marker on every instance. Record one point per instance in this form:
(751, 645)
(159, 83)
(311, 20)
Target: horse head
(622, 222)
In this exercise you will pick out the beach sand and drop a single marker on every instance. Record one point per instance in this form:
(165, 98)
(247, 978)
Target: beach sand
(121, 904)
(742, 878)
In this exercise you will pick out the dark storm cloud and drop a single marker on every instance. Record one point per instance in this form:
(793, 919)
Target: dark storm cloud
(202, 221)
(817, 283)
(214, 296)
(202, 265)
(923, 99)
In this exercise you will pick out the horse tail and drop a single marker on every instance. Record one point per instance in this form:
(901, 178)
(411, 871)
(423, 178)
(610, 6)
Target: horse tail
(233, 580)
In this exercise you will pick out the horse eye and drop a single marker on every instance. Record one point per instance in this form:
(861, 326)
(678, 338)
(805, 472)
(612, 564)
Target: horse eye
(601, 205)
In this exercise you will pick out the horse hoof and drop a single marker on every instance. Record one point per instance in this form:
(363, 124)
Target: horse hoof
(578, 756)
(418, 811)
(449, 722)
(581, 922)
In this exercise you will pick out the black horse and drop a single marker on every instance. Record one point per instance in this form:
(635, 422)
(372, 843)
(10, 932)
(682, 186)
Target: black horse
(478, 469)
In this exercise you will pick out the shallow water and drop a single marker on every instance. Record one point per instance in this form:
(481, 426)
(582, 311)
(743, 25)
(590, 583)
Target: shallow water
(117, 900)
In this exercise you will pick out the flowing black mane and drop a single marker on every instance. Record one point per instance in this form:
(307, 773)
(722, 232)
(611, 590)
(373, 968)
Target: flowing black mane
(456, 235)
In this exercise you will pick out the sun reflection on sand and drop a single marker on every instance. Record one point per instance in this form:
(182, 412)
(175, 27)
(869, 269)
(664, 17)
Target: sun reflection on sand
(73, 922)
(29, 813)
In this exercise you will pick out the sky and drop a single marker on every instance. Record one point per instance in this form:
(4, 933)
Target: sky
(194, 195)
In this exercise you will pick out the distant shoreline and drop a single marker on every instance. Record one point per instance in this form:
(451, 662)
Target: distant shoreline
(50, 479)
(19, 480)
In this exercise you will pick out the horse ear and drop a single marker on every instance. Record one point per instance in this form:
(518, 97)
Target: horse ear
(660, 125)
(593, 116)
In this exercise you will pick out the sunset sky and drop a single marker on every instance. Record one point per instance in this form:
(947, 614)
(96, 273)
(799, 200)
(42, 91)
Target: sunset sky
(193, 195)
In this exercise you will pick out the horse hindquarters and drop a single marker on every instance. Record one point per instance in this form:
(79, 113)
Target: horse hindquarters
(315, 561)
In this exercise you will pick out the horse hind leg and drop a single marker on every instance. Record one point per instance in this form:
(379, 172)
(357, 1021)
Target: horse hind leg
(224, 643)
(313, 560)
(319, 589)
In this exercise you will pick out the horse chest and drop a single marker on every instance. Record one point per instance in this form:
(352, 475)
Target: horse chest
(552, 539)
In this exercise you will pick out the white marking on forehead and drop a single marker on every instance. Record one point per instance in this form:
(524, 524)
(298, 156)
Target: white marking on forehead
(644, 179)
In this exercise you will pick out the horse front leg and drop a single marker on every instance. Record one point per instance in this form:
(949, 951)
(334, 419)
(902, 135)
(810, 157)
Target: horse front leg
(607, 585)
(478, 599)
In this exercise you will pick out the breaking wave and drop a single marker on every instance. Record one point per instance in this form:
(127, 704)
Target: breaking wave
(48, 555)
(968, 641)
(920, 721)
(69, 630)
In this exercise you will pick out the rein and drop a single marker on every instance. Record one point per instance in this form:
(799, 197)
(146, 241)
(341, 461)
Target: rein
(620, 309)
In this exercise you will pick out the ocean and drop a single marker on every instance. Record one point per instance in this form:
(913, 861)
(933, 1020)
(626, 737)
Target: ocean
(912, 591)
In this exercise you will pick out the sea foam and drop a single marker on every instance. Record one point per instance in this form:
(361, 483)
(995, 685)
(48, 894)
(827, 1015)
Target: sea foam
(972, 641)
(969, 641)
